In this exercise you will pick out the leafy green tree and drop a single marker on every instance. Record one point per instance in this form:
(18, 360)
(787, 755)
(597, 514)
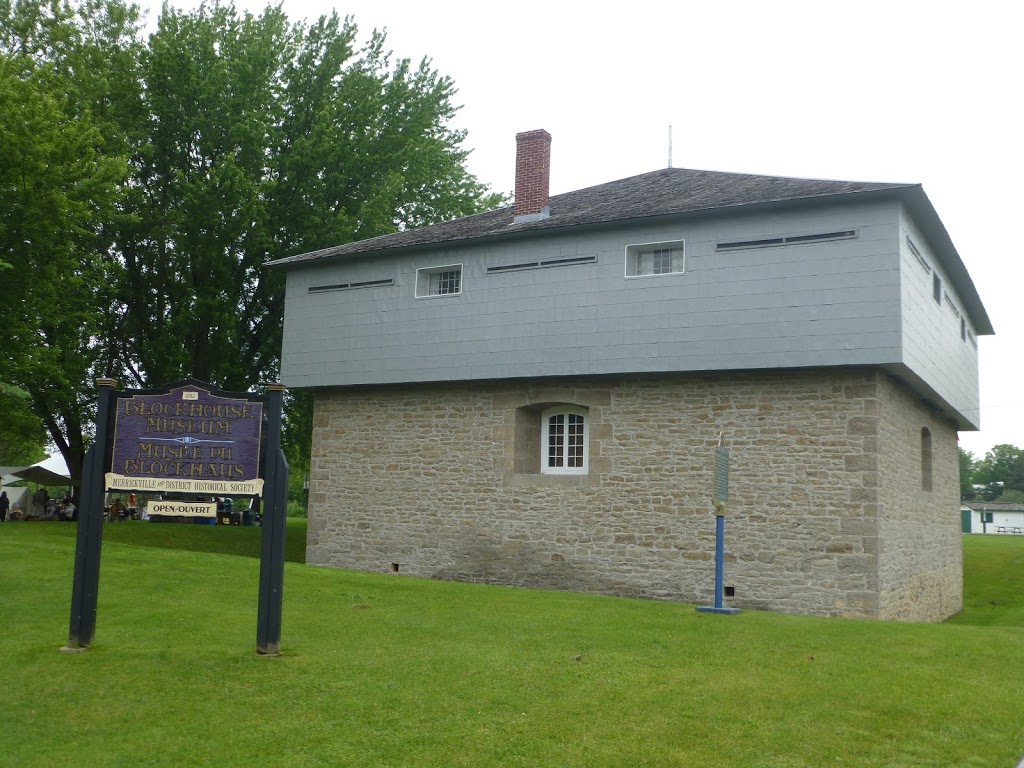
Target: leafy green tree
(22, 436)
(265, 139)
(60, 174)
(143, 186)
(1013, 496)
(1001, 470)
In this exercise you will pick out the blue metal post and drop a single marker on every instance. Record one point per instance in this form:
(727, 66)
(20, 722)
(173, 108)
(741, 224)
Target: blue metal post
(719, 557)
(719, 571)
(721, 500)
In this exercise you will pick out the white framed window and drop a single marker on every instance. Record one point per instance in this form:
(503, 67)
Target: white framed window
(648, 259)
(564, 441)
(439, 281)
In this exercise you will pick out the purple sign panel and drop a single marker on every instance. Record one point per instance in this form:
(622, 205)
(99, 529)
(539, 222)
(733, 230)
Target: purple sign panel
(187, 440)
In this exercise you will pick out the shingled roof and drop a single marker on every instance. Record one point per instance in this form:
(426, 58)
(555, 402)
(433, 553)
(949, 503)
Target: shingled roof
(659, 193)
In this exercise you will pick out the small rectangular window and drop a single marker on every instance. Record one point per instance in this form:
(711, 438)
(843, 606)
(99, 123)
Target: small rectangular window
(963, 328)
(655, 259)
(439, 281)
(937, 289)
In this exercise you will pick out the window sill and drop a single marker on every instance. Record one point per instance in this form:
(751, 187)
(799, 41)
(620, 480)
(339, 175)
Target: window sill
(656, 274)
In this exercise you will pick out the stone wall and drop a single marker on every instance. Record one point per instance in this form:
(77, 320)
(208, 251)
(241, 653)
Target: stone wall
(920, 554)
(443, 481)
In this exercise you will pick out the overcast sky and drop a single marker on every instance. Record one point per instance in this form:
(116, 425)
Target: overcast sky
(920, 92)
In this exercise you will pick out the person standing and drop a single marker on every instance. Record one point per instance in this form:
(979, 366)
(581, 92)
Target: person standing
(131, 506)
(5, 506)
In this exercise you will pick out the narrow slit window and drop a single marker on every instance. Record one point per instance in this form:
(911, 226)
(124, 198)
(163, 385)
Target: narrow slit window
(917, 255)
(762, 243)
(566, 261)
(768, 242)
(820, 236)
(350, 286)
(952, 304)
(926, 459)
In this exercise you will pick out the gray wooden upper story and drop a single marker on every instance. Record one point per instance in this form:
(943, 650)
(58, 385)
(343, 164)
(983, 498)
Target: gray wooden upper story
(754, 272)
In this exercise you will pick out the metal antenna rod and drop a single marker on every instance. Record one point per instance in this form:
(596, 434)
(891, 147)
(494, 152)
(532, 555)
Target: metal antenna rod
(670, 146)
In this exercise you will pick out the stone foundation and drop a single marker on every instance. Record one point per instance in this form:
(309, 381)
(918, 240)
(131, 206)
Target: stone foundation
(827, 513)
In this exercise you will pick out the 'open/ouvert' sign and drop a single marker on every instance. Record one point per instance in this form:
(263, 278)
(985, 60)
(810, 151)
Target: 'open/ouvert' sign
(182, 508)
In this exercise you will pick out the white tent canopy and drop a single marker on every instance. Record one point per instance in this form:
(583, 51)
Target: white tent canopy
(51, 471)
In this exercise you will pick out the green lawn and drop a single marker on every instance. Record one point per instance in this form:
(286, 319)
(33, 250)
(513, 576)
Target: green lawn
(388, 670)
(993, 581)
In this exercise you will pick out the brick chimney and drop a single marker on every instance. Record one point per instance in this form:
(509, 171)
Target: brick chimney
(533, 174)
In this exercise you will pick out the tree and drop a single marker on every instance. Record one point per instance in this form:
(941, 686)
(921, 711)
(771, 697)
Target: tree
(60, 173)
(1001, 470)
(265, 139)
(297, 430)
(1012, 496)
(22, 436)
(143, 186)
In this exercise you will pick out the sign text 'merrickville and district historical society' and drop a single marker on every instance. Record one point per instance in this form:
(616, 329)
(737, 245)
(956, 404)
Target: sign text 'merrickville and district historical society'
(187, 440)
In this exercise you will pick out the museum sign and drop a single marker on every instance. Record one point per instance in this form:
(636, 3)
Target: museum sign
(187, 440)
